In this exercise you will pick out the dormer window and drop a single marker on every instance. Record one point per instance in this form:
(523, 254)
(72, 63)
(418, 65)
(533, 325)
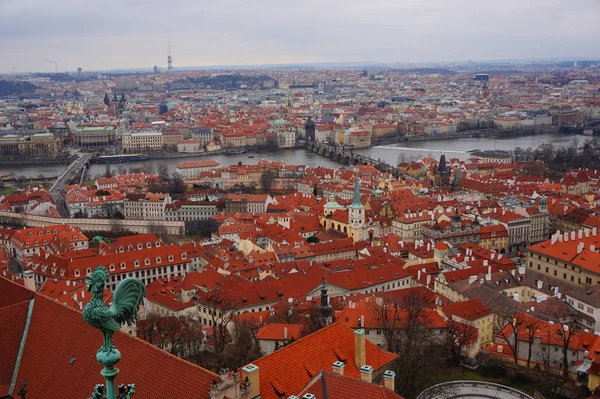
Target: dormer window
(36, 243)
(45, 242)
(62, 272)
(158, 260)
(148, 245)
(136, 263)
(147, 262)
(183, 255)
(157, 244)
(139, 246)
(123, 266)
(111, 267)
(76, 273)
(88, 271)
(170, 258)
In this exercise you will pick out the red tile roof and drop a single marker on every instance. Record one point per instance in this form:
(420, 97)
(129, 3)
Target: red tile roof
(276, 331)
(12, 325)
(288, 370)
(60, 348)
(342, 387)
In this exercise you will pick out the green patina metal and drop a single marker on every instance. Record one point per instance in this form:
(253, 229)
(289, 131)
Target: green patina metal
(21, 348)
(126, 301)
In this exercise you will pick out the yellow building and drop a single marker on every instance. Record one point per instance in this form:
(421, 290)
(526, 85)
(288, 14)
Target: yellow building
(569, 256)
(494, 237)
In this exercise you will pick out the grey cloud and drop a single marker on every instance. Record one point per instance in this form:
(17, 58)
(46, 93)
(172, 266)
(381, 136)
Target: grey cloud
(135, 33)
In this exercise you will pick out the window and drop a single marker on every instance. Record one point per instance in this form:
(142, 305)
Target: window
(590, 310)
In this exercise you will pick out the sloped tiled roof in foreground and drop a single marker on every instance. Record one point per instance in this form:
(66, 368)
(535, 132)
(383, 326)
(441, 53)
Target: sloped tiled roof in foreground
(59, 357)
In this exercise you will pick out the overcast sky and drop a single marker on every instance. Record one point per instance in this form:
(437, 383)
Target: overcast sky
(107, 34)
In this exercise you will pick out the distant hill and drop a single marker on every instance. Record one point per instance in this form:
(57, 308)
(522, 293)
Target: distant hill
(8, 88)
(430, 71)
(226, 81)
(500, 72)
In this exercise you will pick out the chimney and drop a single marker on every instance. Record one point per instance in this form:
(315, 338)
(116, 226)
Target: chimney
(250, 373)
(285, 333)
(500, 348)
(338, 367)
(389, 379)
(360, 356)
(572, 235)
(29, 280)
(594, 231)
(592, 248)
(366, 373)
(580, 247)
(362, 321)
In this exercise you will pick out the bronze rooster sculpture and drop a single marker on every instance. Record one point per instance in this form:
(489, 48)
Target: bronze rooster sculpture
(127, 298)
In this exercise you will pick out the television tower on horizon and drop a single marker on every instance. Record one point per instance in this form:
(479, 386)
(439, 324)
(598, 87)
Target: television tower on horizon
(169, 60)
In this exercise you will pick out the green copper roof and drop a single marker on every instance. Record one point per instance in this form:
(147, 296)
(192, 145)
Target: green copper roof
(332, 203)
(280, 122)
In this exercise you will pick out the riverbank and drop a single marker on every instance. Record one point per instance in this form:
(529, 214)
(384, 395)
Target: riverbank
(470, 134)
(27, 161)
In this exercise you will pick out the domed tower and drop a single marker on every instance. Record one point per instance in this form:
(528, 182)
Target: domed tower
(331, 206)
(456, 220)
(543, 205)
(324, 310)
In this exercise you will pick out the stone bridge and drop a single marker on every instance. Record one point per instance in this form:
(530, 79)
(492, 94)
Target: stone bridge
(346, 155)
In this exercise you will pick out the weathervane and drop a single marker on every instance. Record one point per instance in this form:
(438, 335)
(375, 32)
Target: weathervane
(126, 301)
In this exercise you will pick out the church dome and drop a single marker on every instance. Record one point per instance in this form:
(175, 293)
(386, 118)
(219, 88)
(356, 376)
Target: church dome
(332, 204)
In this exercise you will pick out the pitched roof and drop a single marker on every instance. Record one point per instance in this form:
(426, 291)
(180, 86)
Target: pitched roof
(12, 324)
(61, 348)
(288, 370)
(334, 386)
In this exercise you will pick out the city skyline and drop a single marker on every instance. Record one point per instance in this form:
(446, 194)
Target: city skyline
(135, 34)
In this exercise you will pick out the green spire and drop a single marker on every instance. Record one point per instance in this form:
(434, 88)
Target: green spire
(356, 201)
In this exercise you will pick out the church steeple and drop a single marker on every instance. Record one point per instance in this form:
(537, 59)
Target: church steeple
(356, 200)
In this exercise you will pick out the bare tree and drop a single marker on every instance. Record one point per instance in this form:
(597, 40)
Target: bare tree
(163, 171)
(566, 333)
(245, 347)
(409, 332)
(507, 328)
(157, 229)
(459, 336)
(552, 379)
(178, 334)
(221, 308)
(532, 325)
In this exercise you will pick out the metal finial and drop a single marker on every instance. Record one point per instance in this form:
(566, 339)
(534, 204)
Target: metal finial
(126, 301)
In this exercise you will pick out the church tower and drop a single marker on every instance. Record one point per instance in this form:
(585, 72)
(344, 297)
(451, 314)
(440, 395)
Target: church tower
(324, 311)
(356, 212)
(309, 129)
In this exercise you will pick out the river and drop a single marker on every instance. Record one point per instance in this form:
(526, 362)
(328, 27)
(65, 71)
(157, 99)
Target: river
(391, 154)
